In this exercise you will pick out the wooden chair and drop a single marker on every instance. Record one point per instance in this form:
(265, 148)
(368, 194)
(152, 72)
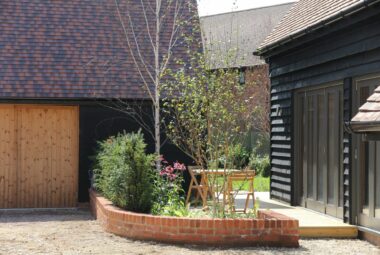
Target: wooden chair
(201, 188)
(231, 193)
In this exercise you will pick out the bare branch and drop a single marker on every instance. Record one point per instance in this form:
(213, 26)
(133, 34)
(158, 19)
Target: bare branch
(138, 50)
(147, 25)
(173, 37)
(126, 108)
(162, 38)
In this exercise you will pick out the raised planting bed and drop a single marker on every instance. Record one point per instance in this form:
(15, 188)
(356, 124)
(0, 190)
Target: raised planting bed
(269, 229)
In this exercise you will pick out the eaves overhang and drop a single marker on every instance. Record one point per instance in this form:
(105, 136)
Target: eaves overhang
(266, 49)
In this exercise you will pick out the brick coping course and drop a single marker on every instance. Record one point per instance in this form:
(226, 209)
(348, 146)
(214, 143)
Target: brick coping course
(269, 229)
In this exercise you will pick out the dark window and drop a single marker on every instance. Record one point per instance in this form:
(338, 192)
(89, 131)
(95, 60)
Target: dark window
(242, 76)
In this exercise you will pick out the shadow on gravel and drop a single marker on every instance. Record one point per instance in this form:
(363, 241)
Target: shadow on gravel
(44, 215)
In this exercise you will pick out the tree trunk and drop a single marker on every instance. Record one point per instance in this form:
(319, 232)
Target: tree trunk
(157, 132)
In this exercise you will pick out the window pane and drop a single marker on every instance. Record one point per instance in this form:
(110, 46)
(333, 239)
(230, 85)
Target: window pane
(364, 163)
(364, 177)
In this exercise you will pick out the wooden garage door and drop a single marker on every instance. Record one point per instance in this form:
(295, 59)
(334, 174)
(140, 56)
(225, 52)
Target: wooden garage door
(38, 156)
(319, 120)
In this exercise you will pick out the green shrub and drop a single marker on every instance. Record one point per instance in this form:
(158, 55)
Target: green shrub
(239, 156)
(266, 167)
(260, 164)
(262, 145)
(124, 172)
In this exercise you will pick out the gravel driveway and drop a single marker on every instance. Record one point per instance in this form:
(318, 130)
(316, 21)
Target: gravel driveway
(76, 232)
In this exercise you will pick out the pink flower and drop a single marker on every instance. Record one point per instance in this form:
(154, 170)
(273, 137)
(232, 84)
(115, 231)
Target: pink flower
(172, 177)
(179, 166)
(169, 169)
(162, 159)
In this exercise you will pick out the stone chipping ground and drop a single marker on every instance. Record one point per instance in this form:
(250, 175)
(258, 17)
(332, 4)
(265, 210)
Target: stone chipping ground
(76, 232)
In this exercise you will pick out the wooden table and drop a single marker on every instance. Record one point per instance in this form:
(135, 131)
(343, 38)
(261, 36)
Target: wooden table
(205, 174)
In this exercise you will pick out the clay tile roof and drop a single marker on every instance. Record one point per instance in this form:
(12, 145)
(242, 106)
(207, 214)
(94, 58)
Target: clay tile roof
(71, 49)
(369, 114)
(239, 34)
(304, 15)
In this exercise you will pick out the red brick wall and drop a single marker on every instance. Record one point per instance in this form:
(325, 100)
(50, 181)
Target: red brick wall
(257, 90)
(270, 229)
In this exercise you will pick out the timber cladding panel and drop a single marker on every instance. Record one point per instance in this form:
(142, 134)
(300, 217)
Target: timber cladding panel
(39, 156)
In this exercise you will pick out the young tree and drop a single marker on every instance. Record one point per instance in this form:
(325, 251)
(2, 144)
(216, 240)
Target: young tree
(206, 110)
(153, 32)
(229, 44)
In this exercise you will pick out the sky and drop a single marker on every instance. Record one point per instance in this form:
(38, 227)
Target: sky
(210, 7)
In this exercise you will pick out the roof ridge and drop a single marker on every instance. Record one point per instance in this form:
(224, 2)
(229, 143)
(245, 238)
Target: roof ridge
(250, 9)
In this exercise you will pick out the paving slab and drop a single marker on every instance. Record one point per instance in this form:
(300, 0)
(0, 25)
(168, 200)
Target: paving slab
(312, 224)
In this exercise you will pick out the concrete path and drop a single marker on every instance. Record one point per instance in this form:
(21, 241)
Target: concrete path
(312, 224)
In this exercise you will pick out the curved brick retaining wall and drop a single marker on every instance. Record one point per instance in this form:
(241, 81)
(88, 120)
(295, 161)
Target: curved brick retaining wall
(270, 229)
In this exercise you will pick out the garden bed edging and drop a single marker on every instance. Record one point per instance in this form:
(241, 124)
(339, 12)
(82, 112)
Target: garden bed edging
(269, 229)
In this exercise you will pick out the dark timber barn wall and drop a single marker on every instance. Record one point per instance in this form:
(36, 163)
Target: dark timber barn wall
(337, 52)
(98, 122)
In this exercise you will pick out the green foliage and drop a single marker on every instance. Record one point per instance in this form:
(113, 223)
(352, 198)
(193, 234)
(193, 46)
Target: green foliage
(206, 110)
(261, 184)
(206, 118)
(124, 172)
(168, 195)
(239, 157)
(196, 213)
(262, 145)
(261, 164)
(259, 159)
(168, 199)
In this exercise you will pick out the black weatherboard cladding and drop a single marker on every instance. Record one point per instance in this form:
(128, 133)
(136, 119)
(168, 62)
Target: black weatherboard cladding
(348, 48)
(98, 122)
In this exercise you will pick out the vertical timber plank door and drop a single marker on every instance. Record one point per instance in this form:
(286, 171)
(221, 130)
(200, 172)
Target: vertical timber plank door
(49, 136)
(8, 157)
(319, 144)
(39, 156)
